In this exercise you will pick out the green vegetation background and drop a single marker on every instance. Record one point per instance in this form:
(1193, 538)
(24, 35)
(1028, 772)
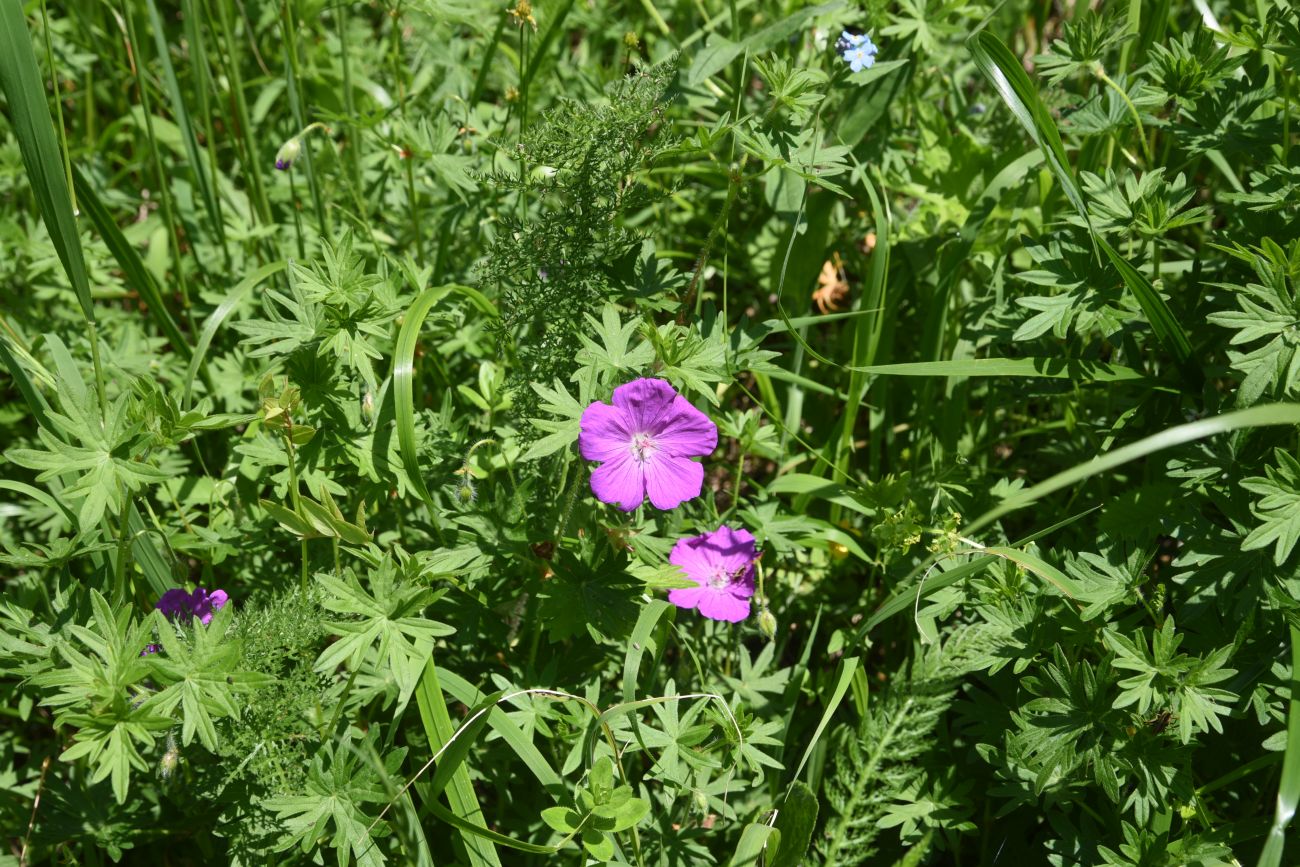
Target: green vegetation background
(1000, 336)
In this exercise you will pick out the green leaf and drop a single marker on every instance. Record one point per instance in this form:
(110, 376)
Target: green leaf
(1278, 507)
(754, 842)
(128, 259)
(1009, 78)
(29, 117)
(796, 822)
(388, 618)
(467, 816)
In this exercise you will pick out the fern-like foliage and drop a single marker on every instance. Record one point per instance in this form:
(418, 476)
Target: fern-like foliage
(581, 164)
(877, 762)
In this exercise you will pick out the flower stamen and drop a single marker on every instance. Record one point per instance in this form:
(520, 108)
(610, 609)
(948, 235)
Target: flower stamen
(643, 447)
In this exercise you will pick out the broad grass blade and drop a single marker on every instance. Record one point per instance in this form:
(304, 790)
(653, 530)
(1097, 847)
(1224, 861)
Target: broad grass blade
(460, 790)
(218, 316)
(29, 114)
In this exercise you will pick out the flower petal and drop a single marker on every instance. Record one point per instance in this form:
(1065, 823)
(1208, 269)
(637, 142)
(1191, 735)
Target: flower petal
(686, 597)
(685, 431)
(603, 432)
(693, 557)
(734, 549)
(619, 480)
(173, 602)
(645, 401)
(722, 605)
(670, 480)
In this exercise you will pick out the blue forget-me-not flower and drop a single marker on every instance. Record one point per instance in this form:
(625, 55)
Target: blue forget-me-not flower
(857, 49)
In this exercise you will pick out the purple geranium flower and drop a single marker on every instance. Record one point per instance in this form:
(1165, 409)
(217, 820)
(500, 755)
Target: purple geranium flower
(722, 563)
(201, 604)
(646, 440)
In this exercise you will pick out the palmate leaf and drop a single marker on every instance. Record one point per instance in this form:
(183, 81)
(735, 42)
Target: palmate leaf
(563, 431)
(1278, 507)
(196, 672)
(1268, 311)
(93, 692)
(340, 783)
(580, 599)
(387, 617)
(1163, 675)
(107, 455)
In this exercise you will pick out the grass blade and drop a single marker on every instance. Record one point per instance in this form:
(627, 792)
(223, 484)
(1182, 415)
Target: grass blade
(218, 316)
(848, 668)
(182, 116)
(404, 379)
(1046, 368)
(1256, 416)
(464, 692)
(1288, 792)
(29, 116)
(460, 791)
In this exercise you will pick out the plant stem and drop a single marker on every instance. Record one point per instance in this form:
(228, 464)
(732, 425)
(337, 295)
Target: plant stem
(244, 127)
(1137, 119)
(164, 188)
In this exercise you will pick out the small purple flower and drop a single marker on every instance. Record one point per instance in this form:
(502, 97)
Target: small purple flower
(645, 442)
(150, 648)
(176, 603)
(722, 563)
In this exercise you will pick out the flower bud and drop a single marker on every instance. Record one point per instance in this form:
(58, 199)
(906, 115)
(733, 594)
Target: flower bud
(368, 404)
(465, 493)
(767, 624)
(288, 152)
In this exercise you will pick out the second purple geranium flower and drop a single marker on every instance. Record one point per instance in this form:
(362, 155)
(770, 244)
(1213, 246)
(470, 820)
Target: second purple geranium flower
(645, 441)
(177, 603)
(722, 564)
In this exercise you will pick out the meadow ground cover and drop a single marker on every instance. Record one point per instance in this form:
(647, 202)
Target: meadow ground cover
(656, 433)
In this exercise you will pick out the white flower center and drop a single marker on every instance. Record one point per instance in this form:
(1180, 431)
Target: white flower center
(643, 447)
(718, 578)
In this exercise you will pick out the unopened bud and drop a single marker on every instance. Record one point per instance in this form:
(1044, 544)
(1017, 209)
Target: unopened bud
(368, 404)
(767, 624)
(292, 149)
(288, 152)
(465, 490)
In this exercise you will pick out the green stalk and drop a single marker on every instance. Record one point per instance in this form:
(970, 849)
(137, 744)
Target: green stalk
(203, 87)
(296, 497)
(164, 188)
(252, 166)
(297, 215)
(297, 105)
(1142, 137)
(349, 104)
